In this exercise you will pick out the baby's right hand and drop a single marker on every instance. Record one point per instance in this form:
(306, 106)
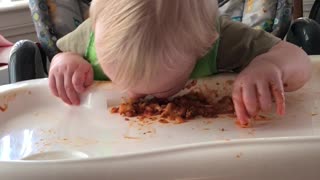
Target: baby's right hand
(69, 76)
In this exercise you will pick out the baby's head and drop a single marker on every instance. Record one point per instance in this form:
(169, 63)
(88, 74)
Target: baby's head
(150, 47)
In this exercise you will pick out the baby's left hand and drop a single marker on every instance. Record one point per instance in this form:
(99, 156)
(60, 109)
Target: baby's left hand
(254, 88)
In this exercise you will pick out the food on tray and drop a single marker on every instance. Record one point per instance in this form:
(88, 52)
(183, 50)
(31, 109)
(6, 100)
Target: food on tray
(176, 109)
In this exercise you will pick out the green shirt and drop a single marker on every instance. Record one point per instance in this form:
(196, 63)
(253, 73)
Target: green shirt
(205, 66)
(236, 47)
(91, 57)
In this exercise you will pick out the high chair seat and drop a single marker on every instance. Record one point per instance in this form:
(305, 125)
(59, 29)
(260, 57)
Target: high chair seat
(33, 65)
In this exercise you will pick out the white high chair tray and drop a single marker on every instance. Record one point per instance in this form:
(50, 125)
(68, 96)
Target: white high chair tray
(40, 134)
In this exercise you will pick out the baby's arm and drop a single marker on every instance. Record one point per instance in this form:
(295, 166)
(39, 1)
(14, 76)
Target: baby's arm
(293, 62)
(284, 68)
(70, 74)
(267, 66)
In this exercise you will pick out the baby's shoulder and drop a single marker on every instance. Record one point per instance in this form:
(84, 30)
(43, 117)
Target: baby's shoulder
(77, 40)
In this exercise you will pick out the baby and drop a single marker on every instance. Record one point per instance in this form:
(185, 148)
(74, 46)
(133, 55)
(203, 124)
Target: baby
(152, 47)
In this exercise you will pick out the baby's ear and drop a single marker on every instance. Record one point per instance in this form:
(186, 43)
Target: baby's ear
(77, 40)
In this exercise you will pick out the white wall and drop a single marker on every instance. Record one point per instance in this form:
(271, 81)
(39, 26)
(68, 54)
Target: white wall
(307, 5)
(15, 24)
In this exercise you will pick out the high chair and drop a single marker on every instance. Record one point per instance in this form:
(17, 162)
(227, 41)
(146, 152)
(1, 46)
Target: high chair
(43, 138)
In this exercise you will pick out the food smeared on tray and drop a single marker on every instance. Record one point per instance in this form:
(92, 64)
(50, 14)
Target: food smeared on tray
(177, 109)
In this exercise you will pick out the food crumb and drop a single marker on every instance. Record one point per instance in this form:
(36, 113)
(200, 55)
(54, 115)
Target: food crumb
(222, 129)
(127, 119)
(239, 155)
(191, 84)
(206, 129)
(179, 120)
(114, 110)
(314, 114)
(129, 137)
(4, 108)
(163, 121)
(148, 132)
(153, 118)
(141, 118)
(230, 82)
(242, 125)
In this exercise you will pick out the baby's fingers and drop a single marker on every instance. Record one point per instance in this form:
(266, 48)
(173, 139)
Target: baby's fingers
(278, 93)
(240, 109)
(78, 80)
(249, 94)
(61, 88)
(264, 96)
(70, 91)
(52, 85)
(82, 78)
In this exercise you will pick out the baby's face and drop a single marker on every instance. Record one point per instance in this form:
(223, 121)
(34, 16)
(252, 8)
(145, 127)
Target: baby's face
(164, 83)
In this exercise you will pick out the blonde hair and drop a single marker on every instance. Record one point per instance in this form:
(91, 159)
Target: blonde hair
(138, 34)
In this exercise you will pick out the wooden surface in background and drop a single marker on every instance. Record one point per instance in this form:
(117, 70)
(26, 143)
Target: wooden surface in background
(297, 8)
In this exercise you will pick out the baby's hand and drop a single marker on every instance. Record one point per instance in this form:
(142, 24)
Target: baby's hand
(254, 88)
(69, 76)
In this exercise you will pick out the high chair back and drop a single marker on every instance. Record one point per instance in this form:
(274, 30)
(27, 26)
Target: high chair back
(54, 19)
(273, 16)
